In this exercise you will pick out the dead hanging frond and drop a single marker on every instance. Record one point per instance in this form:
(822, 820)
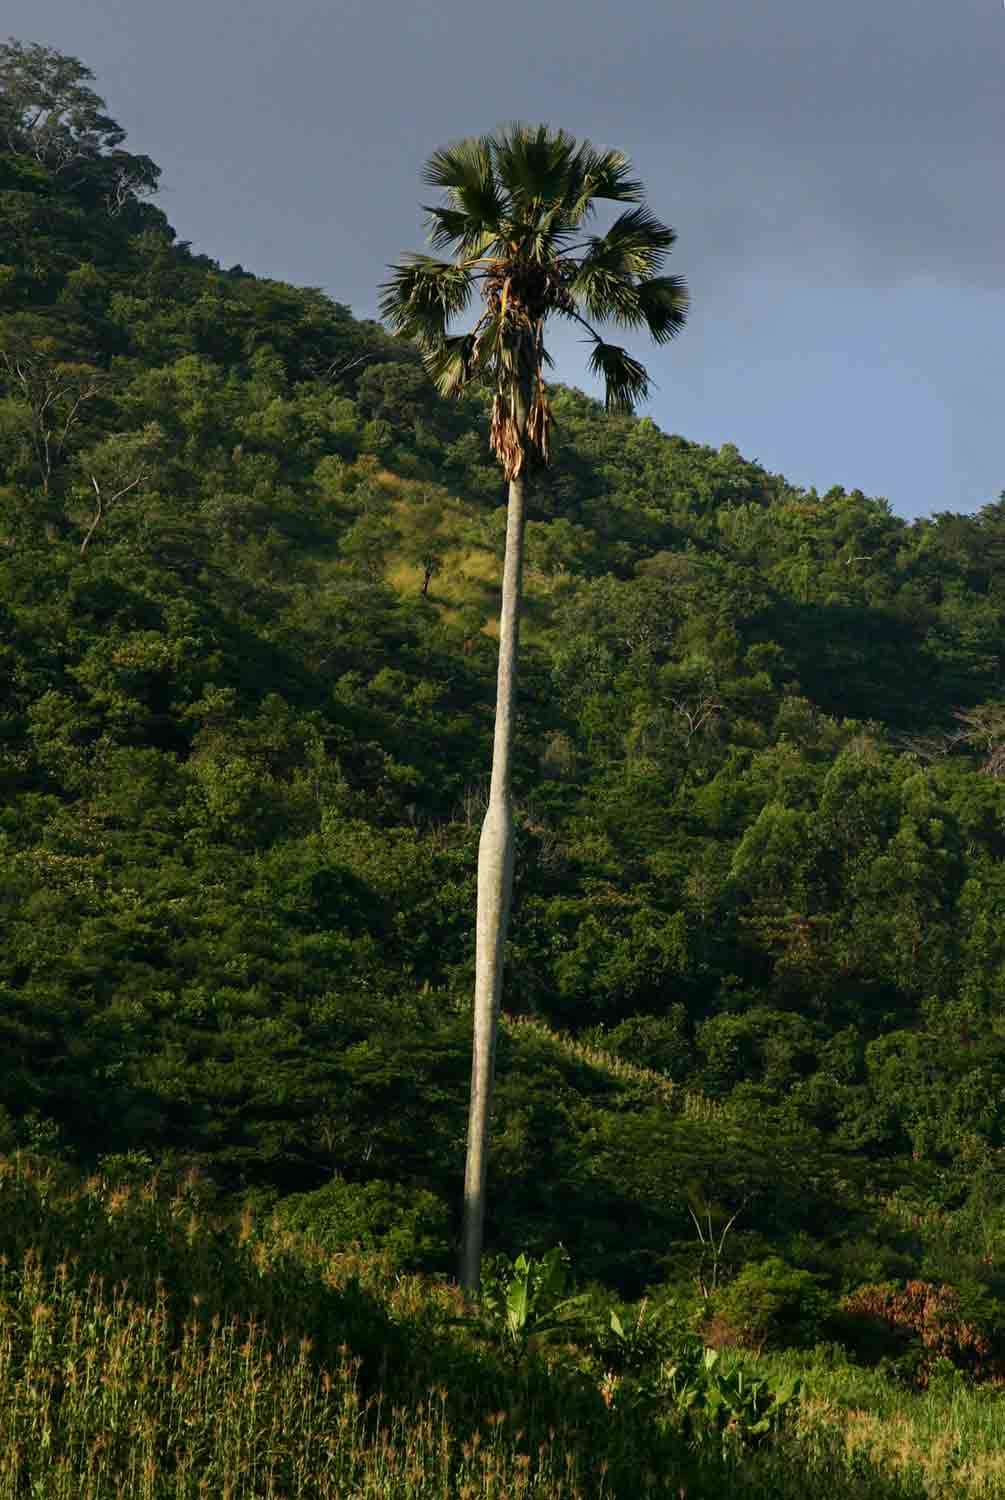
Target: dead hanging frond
(539, 420)
(520, 433)
(505, 437)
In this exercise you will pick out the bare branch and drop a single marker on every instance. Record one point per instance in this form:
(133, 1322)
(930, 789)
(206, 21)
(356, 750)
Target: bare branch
(697, 712)
(336, 370)
(46, 386)
(983, 727)
(104, 506)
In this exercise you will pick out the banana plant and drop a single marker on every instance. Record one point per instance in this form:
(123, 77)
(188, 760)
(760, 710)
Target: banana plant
(525, 1300)
(630, 1343)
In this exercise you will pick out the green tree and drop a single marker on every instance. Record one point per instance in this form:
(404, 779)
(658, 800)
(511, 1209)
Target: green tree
(513, 215)
(51, 396)
(50, 115)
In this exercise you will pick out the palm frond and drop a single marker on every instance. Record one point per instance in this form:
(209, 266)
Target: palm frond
(452, 363)
(539, 425)
(659, 305)
(532, 163)
(607, 296)
(464, 171)
(606, 174)
(454, 229)
(536, 237)
(488, 339)
(423, 295)
(636, 244)
(556, 222)
(626, 381)
(664, 301)
(593, 175)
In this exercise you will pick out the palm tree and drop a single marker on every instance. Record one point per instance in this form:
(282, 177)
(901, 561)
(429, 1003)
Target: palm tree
(512, 216)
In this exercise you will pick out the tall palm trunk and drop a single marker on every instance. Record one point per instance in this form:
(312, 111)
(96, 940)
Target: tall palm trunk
(495, 882)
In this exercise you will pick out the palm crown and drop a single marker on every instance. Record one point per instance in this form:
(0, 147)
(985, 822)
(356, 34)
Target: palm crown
(515, 207)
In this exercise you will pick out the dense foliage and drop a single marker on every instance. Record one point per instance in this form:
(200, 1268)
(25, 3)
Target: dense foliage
(249, 566)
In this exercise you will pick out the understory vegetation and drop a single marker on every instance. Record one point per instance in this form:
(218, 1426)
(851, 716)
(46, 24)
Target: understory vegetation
(151, 1346)
(752, 1066)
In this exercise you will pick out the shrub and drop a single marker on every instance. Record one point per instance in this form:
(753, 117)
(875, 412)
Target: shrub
(410, 1224)
(660, 1042)
(920, 1325)
(860, 1259)
(723, 1402)
(769, 1305)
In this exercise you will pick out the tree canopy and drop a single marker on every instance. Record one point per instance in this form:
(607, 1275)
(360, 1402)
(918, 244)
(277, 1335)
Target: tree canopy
(52, 118)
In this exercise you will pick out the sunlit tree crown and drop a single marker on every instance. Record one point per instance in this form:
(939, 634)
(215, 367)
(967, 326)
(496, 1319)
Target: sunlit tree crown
(514, 216)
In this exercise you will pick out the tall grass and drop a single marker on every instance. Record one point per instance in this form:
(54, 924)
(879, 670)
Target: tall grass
(149, 1349)
(101, 1396)
(950, 1437)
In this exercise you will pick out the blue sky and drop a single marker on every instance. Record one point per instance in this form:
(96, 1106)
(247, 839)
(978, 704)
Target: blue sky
(834, 173)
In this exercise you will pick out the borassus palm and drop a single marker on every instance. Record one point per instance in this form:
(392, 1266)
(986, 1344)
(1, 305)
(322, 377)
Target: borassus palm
(513, 215)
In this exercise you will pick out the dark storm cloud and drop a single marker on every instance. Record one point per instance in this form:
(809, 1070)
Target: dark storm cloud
(863, 136)
(866, 134)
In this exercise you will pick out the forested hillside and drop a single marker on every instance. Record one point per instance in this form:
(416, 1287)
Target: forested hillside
(249, 568)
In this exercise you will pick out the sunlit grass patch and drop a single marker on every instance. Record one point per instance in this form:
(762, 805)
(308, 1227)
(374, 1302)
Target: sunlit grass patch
(949, 1439)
